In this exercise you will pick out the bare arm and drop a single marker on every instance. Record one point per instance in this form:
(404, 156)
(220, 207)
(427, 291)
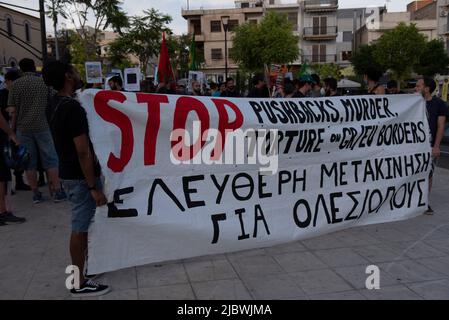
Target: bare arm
(439, 136)
(86, 160)
(5, 127)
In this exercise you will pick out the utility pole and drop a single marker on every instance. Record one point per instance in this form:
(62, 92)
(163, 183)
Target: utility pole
(43, 31)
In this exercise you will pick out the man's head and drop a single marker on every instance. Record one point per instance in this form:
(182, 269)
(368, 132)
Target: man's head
(259, 81)
(306, 83)
(27, 65)
(116, 83)
(230, 85)
(330, 85)
(317, 81)
(425, 86)
(372, 74)
(392, 87)
(61, 75)
(196, 87)
(10, 77)
(181, 89)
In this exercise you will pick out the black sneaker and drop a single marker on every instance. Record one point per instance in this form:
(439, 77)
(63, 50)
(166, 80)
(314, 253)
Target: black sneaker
(429, 211)
(90, 289)
(38, 198)
(92, 276)
(9, 218)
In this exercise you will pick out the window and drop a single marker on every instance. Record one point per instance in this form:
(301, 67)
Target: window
(232, 24)
(271, 1)
(216, 54)
(347, 36)
(319, 53)
(293, 19)
(320, 25)
(27, 32)
(196, 24)
(9, 26)
(346, 55)
(215, 26)
(245, 4)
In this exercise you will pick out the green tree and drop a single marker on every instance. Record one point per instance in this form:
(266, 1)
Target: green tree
(327, 70)
(363, 59)
(433, 59)
(400, 49)
(271, 41)
(178, 50)
(142, 38)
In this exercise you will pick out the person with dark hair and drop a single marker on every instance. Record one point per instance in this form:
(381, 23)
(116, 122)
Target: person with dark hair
(288, 89)
(79, 168)
(393, 88)
(372, 77)
(316, 87)
(221, 90)
(259, 89)
(196, 88)
(330, 87)
(230, 92)
(437, 111)
(6, 216)
(116, 83)
(28, 98)
(304, 86)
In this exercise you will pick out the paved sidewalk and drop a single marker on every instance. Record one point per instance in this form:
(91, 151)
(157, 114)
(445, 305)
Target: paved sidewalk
(413, 257)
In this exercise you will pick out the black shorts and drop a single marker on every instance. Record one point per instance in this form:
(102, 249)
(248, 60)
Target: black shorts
(5, 172)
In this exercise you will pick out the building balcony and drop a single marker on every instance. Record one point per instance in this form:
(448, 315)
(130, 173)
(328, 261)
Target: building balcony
(445, 30)
(320, 58)
(320, 33)
(320, 6)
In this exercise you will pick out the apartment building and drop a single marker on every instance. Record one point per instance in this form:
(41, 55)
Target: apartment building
(443, 21)
(20, 37)
(381, 21)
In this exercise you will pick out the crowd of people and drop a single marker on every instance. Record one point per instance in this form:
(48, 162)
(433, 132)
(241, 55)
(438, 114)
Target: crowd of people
(41, 114)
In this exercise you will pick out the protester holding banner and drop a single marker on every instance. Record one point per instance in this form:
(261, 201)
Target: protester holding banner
(231, 91)
(79, 168)
(116, 83)
(259, 89)
(393, 88)
(371, 78)
(437, 111)
(330, 87)
(304, 86)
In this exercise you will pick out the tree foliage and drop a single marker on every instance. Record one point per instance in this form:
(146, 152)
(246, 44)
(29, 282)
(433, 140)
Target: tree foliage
(142, 38)
(327, 70)
(400, 49)
(433, 59)
(363, 59)
(271, 41)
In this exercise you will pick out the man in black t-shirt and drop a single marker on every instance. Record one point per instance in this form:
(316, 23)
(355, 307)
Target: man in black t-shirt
(79, 170)
(6, 216)
(437, 111)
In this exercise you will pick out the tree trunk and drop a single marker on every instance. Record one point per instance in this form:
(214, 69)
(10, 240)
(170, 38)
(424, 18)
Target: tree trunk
(56, 40)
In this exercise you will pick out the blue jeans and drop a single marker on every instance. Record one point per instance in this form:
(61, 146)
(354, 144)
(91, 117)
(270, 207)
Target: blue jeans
(42, 141)
(82, 204)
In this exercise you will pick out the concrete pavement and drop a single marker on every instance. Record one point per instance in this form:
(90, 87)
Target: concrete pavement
(413, 257)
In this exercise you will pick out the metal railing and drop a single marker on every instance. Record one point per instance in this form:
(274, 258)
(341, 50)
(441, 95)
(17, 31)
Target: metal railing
(320, 31)
(320, 58)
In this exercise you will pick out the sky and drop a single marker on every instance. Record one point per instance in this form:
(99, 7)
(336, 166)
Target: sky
(179, 25)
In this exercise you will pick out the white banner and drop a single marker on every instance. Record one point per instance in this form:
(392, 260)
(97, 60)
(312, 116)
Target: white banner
(336, 163)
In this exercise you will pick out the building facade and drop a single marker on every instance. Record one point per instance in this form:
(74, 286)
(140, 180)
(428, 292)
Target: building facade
(443, 21)
(20, 37)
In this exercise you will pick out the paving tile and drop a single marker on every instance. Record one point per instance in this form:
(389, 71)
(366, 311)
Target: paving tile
(171, 292)
(255, 265)
(377, 253)
(415, 250)
(357, 276)
(160, 275)
(221, 290)
(345, 295)
(399, 292)
(438, 264)
(320, 281)
(120, 280)
(299, 261)
(410, 271)
(273, 287)
(341, 257)
(286, 248)
(431, 290)
(210, 270)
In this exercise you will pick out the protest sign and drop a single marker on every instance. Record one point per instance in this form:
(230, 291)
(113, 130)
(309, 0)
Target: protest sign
(179, 188)
(93, 72)
(132, 79)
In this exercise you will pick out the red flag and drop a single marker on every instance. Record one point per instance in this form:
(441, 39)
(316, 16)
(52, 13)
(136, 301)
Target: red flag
(164, 70)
